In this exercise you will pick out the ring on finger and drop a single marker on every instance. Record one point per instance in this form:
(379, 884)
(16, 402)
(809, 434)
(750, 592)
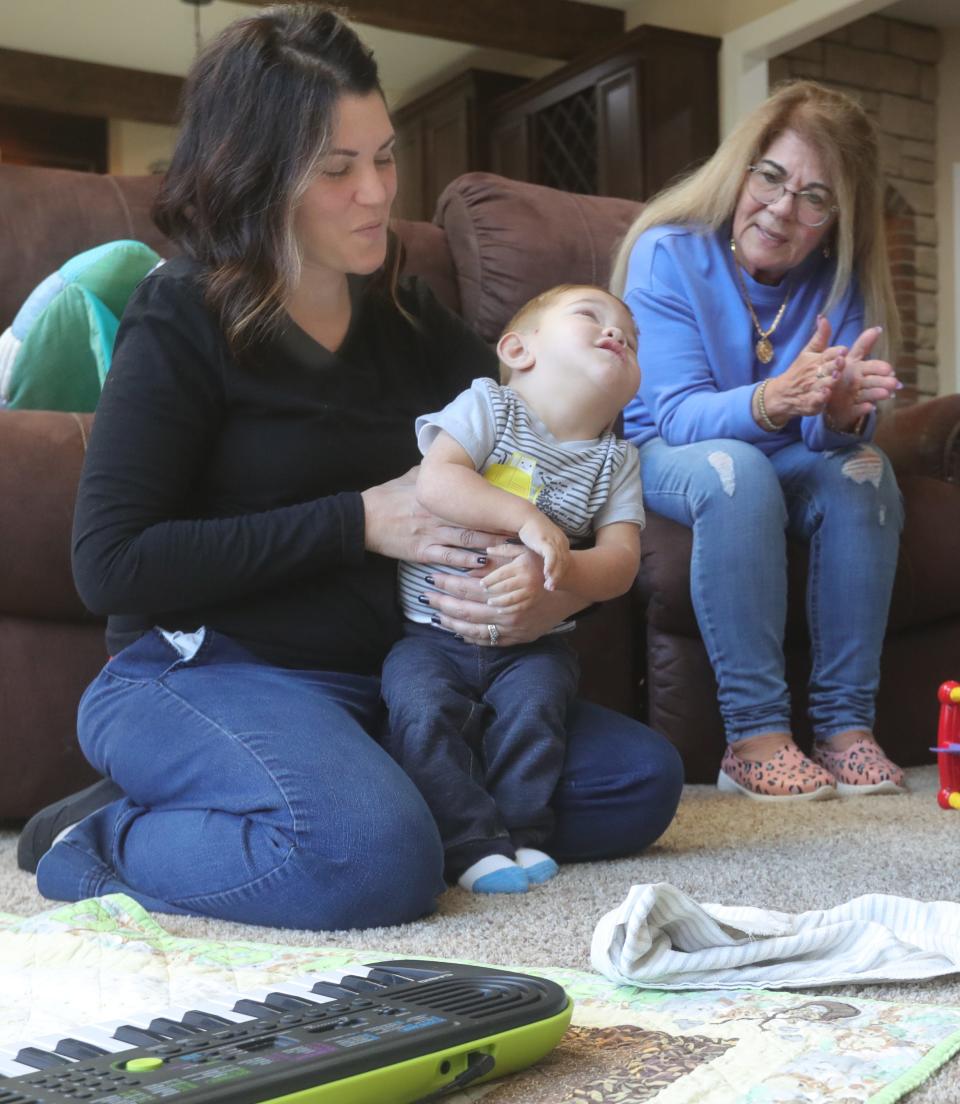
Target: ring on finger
(821, 374)
(494, 633)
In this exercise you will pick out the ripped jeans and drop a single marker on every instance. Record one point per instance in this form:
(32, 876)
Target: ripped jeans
(741, 505)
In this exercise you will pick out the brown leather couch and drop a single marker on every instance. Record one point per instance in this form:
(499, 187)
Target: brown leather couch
(493, 244)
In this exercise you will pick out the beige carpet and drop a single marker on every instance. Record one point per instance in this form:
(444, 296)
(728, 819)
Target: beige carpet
(722, 849)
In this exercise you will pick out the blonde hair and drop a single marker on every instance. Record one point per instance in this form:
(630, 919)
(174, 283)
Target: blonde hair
(528, 316)
(838, 129)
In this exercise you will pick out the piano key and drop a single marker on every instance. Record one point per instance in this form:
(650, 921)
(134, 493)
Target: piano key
(139, 1036)
(39, 1059)
(11, 1068)
(78, 1049)
(257, 1009)
(335, 992)
(210, 1021)
(173, 1029)
(100, 1036)
(355, 984)
(290, 1002)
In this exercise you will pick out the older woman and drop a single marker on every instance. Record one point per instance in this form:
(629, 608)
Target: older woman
(762, 295)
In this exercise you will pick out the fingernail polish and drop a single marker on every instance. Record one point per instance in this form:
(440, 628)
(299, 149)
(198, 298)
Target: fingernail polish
(899, 385)
(423, 600)
(429, 579)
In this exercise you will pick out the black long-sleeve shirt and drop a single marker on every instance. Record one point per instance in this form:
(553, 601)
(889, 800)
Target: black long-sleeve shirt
(226, 492)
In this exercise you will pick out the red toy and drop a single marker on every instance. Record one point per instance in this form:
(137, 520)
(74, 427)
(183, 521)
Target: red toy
(948, 745)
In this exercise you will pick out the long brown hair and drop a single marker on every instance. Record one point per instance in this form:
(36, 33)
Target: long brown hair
(257, 114)
(838, 128)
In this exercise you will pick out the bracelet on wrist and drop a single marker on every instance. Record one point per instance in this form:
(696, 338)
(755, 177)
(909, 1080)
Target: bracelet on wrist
(766, 422)
(856, 430)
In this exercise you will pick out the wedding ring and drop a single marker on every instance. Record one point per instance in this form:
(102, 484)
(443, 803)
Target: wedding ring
(821, 374)
(494, 633)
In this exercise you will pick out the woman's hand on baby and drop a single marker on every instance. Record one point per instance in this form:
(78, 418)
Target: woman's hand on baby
(549, 541)
(396, 525)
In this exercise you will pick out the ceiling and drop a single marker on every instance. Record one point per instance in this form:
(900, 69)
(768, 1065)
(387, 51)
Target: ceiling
(158, 36)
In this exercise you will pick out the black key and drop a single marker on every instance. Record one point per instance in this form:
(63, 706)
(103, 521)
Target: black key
(354, 984)
(206, 1021)
(328, 989)
(173, 1029)
(289, 1002)
(78, 1049)
(138, 1036)
(41, 1059)
(248, 1007)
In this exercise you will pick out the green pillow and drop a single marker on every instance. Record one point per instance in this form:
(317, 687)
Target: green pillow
(56, 354)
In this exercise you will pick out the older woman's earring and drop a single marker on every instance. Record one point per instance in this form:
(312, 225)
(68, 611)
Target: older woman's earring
(826, 251)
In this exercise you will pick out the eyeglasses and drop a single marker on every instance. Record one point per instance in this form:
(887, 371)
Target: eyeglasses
(813, 206)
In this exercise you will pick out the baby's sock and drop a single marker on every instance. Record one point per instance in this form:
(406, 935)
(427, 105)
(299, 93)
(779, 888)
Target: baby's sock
(537, 865)
(494, 874)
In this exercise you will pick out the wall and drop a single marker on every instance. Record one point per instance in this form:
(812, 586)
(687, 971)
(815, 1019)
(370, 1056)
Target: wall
(948, 214)
(135, 148)
(891, 67)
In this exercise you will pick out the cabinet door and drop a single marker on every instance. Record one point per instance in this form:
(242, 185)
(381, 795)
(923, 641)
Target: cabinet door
(619, 136)
(448, 136)
(510, 150)
(408, 151)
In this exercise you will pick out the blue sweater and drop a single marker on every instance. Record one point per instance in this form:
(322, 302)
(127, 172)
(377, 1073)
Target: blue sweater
(697, 358)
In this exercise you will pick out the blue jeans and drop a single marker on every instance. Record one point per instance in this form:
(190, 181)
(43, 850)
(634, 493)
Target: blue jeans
(481, 731)
(741, 505)
(260, 795)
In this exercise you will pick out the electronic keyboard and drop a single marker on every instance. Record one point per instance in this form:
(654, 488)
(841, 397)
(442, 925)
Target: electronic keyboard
(393, 1032)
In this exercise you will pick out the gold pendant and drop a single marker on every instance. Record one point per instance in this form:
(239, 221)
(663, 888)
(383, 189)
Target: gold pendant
(764, 349)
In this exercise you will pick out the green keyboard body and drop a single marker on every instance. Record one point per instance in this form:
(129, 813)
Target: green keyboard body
(395, 1032)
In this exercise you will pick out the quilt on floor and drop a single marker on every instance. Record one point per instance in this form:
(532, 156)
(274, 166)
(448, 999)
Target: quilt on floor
(101, 959)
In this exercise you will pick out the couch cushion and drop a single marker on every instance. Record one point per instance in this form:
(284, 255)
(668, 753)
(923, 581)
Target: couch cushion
(510, 240)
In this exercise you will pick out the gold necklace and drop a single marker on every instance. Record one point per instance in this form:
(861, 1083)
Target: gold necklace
(764, 346)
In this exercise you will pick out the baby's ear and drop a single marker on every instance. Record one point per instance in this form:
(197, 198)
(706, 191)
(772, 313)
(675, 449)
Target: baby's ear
(514, 350)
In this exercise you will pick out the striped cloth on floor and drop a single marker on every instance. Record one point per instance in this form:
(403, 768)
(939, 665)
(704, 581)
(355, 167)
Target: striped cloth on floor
(660, 938)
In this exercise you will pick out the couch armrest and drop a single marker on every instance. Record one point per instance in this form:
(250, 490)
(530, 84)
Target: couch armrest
(41, 453)
(924, 439)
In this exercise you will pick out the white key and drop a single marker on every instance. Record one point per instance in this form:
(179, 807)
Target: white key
(99, 1036)
(10, 1067)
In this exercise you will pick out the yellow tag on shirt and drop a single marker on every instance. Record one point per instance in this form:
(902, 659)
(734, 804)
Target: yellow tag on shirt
(516, 476)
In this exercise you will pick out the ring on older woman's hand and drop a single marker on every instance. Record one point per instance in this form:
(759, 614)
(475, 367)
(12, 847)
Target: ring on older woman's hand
(821, 374)
(494, 633)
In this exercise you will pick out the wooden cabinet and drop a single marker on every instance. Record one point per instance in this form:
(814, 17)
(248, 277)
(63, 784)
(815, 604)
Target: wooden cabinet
(443, 134)
(621, 122)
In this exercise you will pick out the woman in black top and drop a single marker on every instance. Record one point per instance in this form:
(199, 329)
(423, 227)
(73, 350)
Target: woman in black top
(245, 495)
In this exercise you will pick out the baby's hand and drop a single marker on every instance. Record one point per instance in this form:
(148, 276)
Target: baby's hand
(515, 584)
(550, 542)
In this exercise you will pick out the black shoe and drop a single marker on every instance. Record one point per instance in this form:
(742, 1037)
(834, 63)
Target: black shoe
(42, 828)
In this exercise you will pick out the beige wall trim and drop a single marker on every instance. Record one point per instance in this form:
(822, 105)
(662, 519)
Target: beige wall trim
(745, 51)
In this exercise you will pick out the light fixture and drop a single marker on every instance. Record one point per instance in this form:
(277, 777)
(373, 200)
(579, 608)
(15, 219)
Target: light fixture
(197, 37)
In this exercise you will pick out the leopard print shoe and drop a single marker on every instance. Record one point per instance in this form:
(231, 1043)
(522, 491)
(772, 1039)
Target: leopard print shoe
(862, 768)
(787, 776)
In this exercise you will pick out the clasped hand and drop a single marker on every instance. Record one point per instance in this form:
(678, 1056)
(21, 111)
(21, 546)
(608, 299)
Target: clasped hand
(840, 383)
(504, 587)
